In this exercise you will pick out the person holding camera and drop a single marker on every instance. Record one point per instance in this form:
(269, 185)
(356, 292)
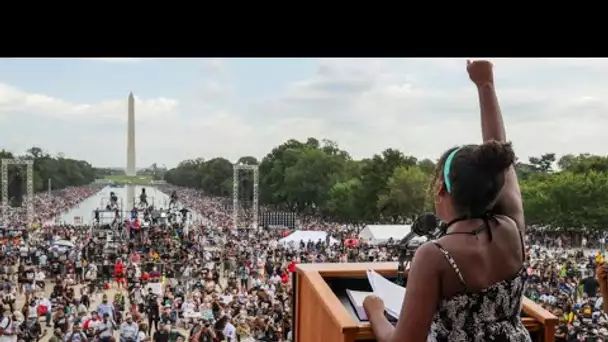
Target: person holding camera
(76, 335)
(202, 332)
(129, 330)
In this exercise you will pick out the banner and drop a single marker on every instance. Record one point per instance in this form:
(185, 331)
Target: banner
(78, 220)
(157, 288)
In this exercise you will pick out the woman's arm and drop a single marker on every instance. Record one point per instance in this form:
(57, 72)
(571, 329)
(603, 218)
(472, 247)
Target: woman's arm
(419, 305)
(508, 202)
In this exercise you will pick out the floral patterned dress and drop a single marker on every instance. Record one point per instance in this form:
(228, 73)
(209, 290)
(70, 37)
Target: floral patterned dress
(492, 314)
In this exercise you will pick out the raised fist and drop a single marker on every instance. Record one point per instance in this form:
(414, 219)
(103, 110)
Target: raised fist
(480, 72)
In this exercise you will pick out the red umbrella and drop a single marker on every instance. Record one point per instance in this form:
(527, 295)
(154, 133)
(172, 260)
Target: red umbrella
(351, 242)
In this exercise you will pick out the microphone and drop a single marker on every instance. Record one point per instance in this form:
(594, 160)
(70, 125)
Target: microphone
(425, 225)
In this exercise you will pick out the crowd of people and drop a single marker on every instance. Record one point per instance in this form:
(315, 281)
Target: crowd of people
(214, 283)
(47, 206)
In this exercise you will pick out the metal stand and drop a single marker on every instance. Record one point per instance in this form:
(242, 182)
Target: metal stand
(29, 200)
(235, 193)
(406, 255)
(106, 200)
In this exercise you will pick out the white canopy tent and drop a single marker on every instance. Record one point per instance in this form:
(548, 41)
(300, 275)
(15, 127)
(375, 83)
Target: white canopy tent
(377, 234)
(306, 235)
(64, 243)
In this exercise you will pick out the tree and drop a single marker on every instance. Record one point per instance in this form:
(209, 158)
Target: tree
(567, 200)
(407, 194)
(248, 160)
(375, 173)
(284, 169)
(213, 176)
(543, 163)
(308, 181)
(187, 173)
(583, 163)
(341, 205)
(63, 172)
(216, 177)
(317, 177)
(427, 166)
(272, 171)
(524, 170)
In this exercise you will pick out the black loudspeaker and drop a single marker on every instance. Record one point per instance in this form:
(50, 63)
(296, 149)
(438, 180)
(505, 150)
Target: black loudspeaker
(15, 190)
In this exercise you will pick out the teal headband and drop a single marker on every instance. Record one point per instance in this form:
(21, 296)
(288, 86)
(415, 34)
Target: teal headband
(446, 170)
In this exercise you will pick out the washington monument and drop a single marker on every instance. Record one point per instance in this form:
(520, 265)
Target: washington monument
(131, 170)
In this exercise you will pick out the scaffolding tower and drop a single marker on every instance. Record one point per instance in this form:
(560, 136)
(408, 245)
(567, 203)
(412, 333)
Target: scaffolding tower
(236, 168)
(29, 198)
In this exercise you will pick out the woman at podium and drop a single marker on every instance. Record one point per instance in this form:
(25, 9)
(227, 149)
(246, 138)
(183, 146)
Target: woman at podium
(467, 285)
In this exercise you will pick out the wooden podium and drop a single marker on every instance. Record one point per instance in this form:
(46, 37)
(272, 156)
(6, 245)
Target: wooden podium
(321, 313)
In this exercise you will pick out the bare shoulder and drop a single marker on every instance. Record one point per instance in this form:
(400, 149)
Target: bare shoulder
(510, 226)
(429, 253)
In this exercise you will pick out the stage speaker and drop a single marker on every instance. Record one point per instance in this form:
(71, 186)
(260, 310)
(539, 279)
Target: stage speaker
(15, 190)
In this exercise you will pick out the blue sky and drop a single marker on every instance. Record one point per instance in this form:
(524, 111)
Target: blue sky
(188, 108)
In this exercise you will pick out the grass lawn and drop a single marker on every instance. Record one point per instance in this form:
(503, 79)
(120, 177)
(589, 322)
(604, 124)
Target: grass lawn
(128, 179)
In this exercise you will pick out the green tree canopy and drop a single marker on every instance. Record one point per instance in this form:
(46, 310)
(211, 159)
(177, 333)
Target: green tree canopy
(318, 177)
(63, 172)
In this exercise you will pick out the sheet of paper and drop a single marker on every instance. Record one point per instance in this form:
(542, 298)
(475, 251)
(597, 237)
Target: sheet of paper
(357, 297)
(391, 294)
(227, 299)
(157, 288)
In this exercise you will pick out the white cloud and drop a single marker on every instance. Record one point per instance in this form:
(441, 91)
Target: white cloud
(421, 106)
(14, 100)
(89, 131)
(426, 106)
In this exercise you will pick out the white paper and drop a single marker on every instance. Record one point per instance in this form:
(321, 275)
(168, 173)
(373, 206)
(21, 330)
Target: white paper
(358, 296)
(391, 294)
(227, 299)
(157, 288)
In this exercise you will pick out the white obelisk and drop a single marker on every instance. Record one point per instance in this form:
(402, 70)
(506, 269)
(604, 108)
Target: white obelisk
(131, 171)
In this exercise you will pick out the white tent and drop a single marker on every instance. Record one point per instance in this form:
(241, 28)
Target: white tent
(376, 234)
(64, 243)
(306, 235)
